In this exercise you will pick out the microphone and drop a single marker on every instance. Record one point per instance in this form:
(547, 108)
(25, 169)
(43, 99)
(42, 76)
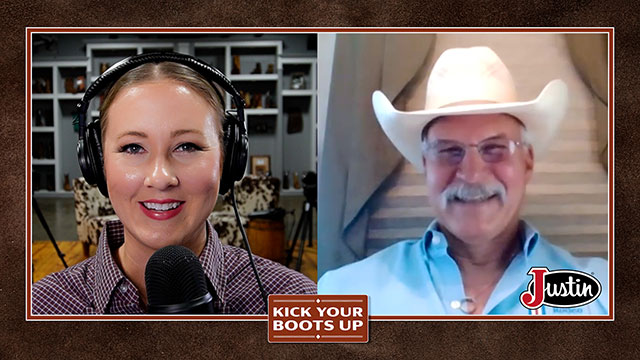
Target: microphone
(176, 283)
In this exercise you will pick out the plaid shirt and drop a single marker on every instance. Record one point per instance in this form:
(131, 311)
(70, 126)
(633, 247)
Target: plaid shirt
(98, 286)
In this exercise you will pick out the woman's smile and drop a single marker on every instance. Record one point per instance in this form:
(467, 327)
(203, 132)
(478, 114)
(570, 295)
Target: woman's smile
(161, 209)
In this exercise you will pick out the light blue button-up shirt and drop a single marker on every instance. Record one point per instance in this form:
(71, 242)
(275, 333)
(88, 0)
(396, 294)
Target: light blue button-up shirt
(419, 277)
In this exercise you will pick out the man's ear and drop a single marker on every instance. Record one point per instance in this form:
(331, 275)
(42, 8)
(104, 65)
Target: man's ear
(528, 163)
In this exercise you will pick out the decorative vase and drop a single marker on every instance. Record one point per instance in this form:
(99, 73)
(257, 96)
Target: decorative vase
(67, 184)
(256, 101)
(80, 83)
(40, 119)
(247, 99)
(269, 101)
(236, 65)
(296, 180)
(257, 69)
(269, 69)
(103, 67)
(68, 85)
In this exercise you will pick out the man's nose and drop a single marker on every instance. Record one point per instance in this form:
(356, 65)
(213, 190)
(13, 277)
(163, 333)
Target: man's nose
(472, 168)
(161, 174)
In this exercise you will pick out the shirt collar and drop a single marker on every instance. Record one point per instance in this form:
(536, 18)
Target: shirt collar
(212, 260)
(109, 275)
(436, 244)
(529, 238)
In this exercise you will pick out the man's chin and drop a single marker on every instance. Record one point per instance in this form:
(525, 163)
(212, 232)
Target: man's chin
(469, 222)
(471, 233)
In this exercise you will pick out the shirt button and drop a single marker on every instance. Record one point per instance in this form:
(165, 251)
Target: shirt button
(455, 304)
(124, 287)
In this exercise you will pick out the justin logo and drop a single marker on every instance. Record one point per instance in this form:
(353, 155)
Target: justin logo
(559, 288)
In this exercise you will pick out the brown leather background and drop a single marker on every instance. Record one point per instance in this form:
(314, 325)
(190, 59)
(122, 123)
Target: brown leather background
(491, 340)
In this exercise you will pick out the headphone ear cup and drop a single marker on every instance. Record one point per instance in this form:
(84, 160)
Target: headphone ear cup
(94, 174)
(227, 144)
(84, 162)
(236, 148)
(242, 152)
(85, 158)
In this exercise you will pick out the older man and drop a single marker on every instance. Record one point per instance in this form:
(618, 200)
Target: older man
(475, 142)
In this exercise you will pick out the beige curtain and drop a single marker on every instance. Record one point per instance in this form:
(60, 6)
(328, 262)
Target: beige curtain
(356, 155)
(589, 55)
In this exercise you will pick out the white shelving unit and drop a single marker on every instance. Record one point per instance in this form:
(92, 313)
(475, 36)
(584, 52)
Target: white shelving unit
(304, 99)
(48, 166)
(43, 129)
(44, 162)
(255, 77)
(42, 96)
(298, 92)
(261, 111)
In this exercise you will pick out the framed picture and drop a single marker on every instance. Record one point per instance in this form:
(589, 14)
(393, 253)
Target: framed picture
(260, 164)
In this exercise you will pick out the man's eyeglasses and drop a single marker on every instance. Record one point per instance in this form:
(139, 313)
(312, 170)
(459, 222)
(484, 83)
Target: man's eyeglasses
(450, 152)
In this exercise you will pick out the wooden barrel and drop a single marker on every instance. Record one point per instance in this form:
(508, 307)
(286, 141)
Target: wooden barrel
(266, 238)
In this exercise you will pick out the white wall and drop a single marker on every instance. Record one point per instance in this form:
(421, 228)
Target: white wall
(326, 47)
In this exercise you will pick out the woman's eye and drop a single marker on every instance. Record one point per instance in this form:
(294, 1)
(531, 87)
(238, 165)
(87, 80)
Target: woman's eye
(188, 147)
(131, 149)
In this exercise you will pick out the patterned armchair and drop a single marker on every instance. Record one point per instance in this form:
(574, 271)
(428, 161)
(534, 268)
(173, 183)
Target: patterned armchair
(253, 193)
(93, 211)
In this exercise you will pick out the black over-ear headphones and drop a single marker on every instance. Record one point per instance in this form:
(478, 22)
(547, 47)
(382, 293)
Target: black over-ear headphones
(235, 140)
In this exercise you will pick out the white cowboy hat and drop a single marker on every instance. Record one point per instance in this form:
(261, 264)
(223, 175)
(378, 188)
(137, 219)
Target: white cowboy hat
(472, 81)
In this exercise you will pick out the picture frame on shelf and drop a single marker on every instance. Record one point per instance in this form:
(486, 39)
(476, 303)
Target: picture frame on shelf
(260, 165)
(298, 81)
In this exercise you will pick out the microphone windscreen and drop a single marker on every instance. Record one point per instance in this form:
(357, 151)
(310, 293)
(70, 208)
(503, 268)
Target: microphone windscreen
(174, 275)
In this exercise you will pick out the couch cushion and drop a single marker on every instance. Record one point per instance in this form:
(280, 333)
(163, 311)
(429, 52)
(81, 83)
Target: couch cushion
(254, 193)
(93, 226)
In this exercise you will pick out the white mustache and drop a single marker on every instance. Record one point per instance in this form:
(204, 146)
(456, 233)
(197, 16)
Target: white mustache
(472, 192)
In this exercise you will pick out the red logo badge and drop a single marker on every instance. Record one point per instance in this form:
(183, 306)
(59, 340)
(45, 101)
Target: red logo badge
(559, 288)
